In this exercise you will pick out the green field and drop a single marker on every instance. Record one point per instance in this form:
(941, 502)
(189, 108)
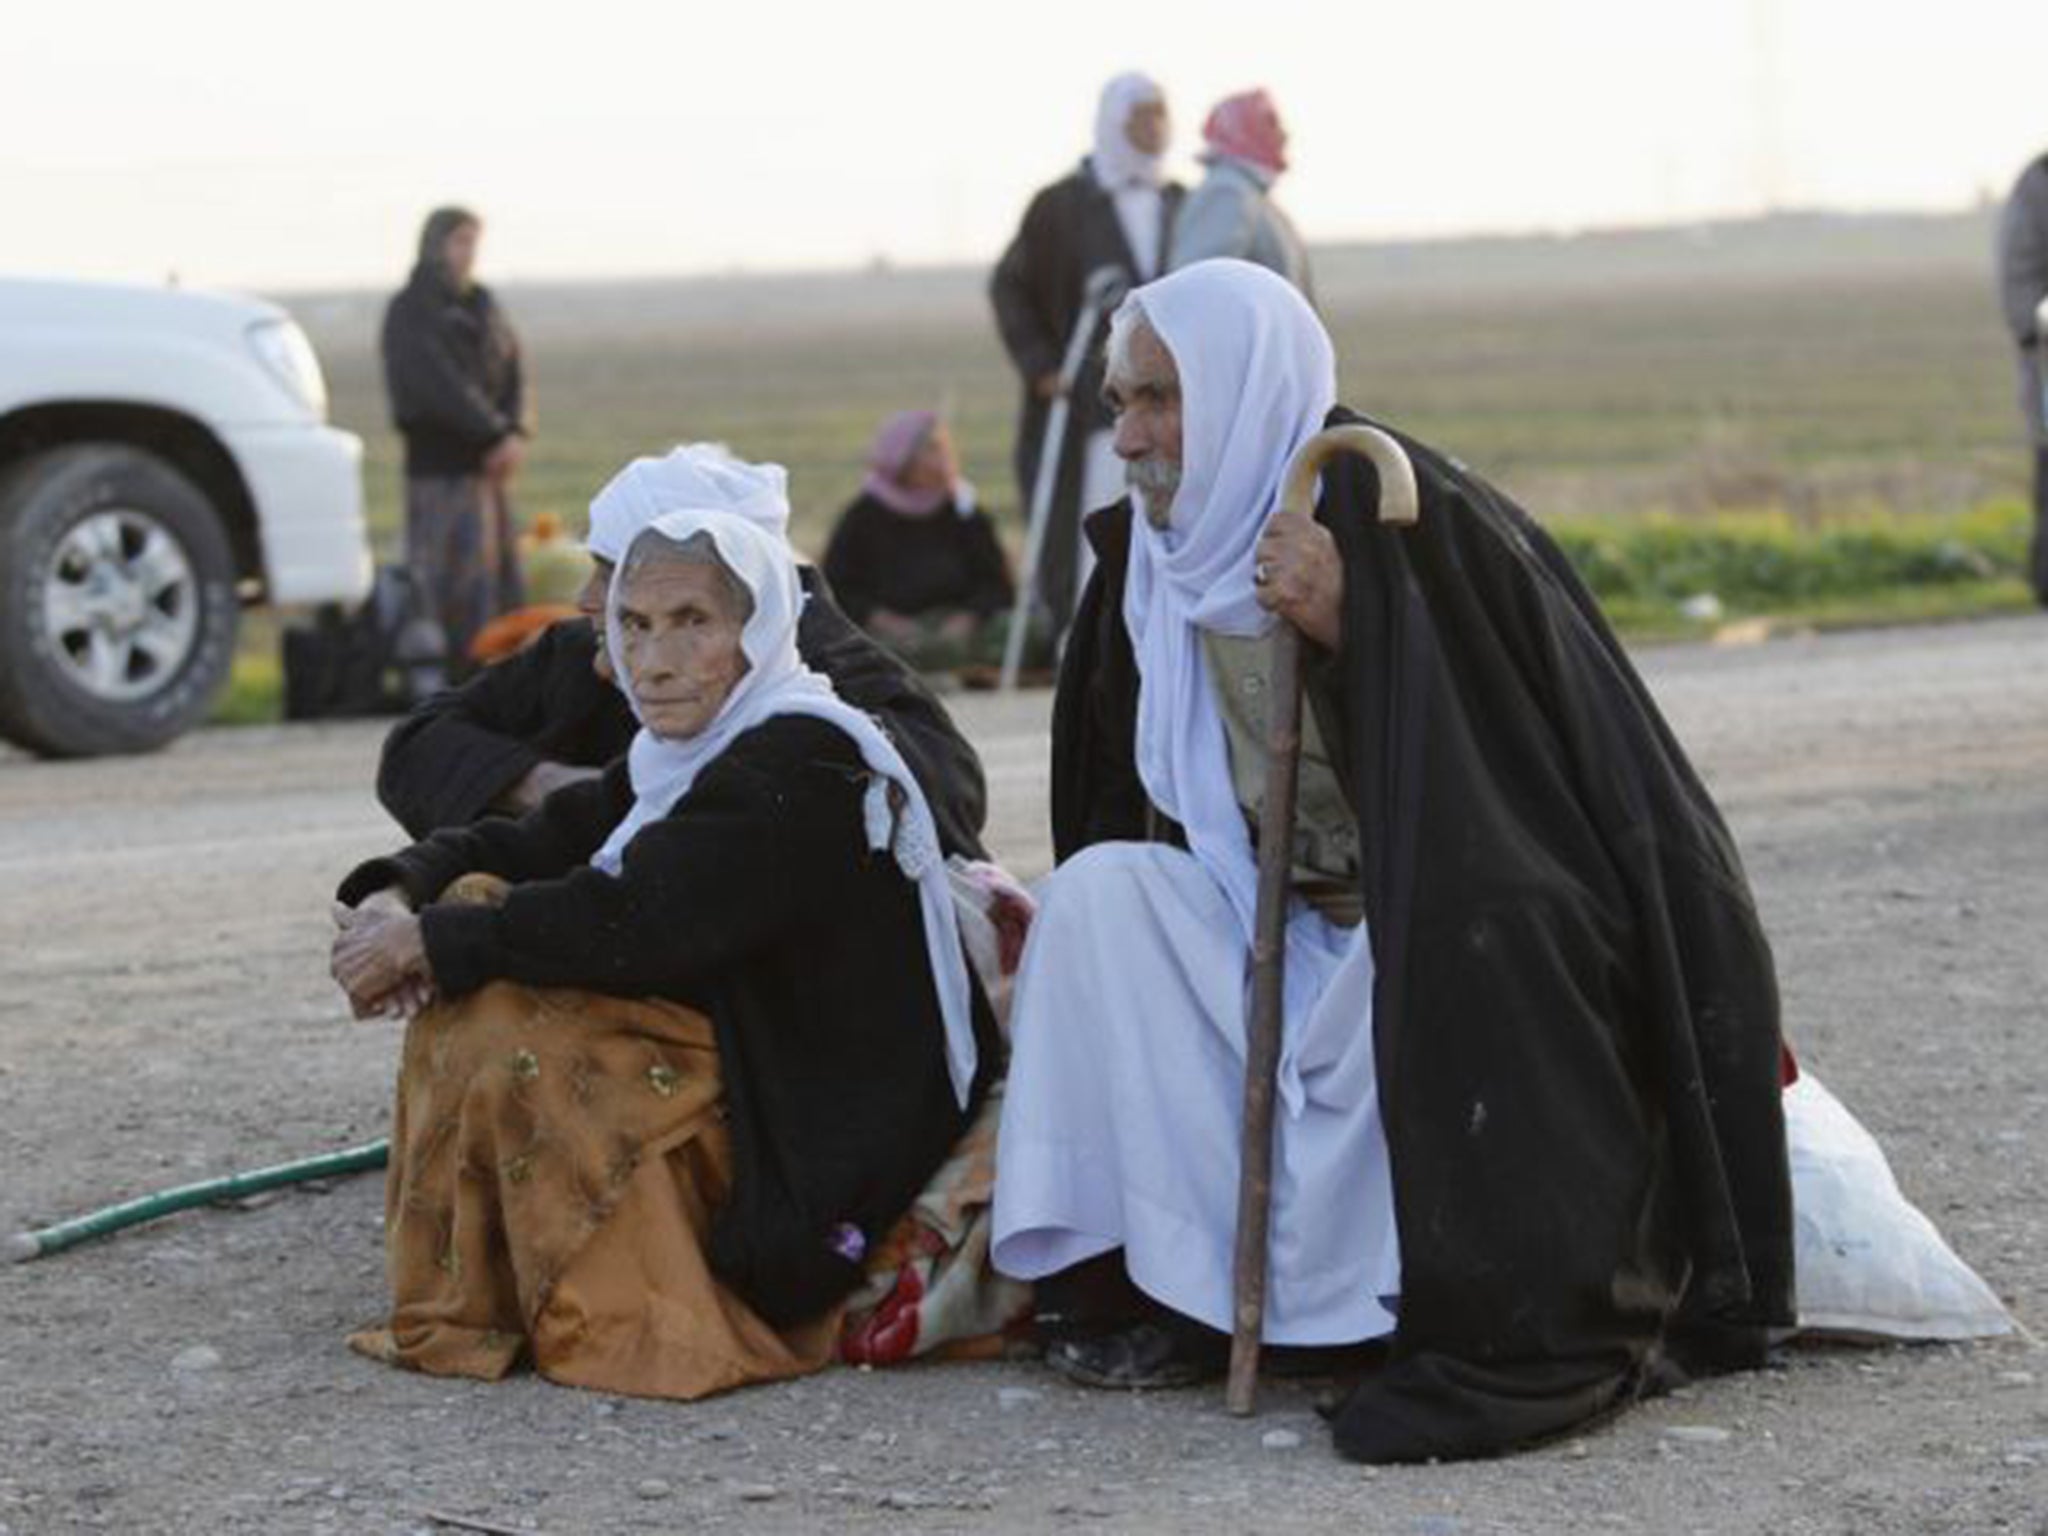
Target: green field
(1821, 370)
(1814, 365)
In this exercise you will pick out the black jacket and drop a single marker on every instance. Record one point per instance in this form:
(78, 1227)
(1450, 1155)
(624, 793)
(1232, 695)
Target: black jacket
(453, 369)
(1575, 1012)
(1070, 229)
(758, 901)
(455, 753)
(949, 560)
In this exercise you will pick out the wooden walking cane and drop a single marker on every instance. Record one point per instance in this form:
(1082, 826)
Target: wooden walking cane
(1398, 504)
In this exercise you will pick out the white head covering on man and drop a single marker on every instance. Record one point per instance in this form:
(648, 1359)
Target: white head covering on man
(1117, 161)
(702, 475)
(1257, 378)
(777, 682)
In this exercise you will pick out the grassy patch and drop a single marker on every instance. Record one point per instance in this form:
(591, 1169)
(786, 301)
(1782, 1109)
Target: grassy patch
(1883, 609)
(1766, 562)
(1664, 578)
(255, 691)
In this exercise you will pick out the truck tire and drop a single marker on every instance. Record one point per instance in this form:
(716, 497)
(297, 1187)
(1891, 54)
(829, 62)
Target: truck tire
(117, 602)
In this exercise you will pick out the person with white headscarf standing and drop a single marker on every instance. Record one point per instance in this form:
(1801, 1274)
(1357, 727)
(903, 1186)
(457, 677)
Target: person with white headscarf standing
(1115, 210)
(707, 1033)
(550, 716)
(1528, 1135)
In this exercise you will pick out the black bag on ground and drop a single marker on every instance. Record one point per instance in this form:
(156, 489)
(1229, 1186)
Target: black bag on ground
(379, 660)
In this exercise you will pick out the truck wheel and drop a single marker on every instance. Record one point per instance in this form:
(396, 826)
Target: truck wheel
(117, 602)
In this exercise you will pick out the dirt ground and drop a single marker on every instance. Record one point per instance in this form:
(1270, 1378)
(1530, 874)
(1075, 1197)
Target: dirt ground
(165, 1014)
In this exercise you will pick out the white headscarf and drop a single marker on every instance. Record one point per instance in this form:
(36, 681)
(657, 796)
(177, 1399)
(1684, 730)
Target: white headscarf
(693, 475)
(1257, 378)
(777, 682)
(1117, 161)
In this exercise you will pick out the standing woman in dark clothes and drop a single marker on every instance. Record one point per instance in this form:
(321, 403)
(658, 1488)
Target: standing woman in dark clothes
(458, 397)
(914, 561)
(705, 1038)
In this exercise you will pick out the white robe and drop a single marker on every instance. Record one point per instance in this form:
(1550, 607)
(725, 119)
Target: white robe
(1125, 1097)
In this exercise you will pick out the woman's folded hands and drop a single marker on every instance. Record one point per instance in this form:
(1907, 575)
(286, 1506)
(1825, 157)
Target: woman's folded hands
(380, 958)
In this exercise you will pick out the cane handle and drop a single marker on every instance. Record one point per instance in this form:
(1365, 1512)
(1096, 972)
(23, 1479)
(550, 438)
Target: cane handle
(1399, 502)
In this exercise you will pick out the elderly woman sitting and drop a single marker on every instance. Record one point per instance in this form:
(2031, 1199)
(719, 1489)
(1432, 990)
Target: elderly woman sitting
(706, 1041)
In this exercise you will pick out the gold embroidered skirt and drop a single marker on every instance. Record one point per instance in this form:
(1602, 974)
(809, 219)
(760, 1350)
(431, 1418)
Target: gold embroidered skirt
(555, 1157)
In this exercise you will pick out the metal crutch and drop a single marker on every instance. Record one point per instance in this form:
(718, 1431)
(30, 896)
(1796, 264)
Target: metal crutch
(1103, 291)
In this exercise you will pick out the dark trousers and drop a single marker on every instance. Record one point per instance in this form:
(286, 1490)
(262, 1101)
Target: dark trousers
(459, 542)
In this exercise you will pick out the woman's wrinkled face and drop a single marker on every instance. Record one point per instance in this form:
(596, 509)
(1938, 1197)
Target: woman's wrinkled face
(679, 635)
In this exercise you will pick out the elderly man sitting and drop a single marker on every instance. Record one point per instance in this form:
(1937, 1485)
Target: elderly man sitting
(549, 716)
(670, 1087)
(1529, 1131)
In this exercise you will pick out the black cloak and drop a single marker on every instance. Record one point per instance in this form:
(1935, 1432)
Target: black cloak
(1575, 1010)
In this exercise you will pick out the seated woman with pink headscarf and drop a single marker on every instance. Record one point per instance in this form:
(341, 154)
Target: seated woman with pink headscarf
(914, 561)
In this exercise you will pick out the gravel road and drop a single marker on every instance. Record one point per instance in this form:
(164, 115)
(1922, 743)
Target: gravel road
(165, 1014)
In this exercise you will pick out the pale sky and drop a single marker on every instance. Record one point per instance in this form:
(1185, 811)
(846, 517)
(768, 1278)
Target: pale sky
(283, 145)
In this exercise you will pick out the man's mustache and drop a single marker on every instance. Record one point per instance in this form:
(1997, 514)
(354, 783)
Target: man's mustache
(1154, 476)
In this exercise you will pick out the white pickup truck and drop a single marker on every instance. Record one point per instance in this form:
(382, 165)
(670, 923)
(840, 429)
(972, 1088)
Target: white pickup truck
(165, 458)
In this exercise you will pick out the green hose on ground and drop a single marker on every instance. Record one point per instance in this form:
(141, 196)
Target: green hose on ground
(23, 1246)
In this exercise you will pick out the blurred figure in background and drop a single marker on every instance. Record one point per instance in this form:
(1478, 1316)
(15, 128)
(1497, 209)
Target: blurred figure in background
(458, 397)
(1114, 210)
(2023, 292)
(914, 561)
(1232, 213)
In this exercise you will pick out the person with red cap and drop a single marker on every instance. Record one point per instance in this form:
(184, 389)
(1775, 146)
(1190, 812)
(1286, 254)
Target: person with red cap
(1232, 213)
